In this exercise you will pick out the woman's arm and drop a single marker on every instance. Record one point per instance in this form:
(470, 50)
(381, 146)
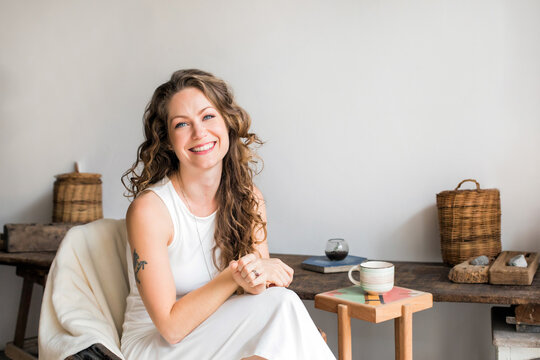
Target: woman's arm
(150, 230)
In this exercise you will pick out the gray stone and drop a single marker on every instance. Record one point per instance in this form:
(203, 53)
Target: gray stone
(518, 261)
(481, 260)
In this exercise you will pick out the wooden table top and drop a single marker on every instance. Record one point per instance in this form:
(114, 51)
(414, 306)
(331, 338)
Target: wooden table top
(423, 276)
(41, 259)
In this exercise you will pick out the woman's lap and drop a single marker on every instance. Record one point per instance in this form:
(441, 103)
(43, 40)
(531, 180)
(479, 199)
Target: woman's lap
(243, 326)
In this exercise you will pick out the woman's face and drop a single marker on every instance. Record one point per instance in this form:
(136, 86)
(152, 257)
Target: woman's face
(197, 131)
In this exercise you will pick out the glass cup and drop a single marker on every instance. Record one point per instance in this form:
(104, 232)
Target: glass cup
(336, 249)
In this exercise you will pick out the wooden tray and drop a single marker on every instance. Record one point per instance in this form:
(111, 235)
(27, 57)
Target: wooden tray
(502, 274)
(470, 274)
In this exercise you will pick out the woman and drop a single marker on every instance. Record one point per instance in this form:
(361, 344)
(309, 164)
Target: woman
(197, 236)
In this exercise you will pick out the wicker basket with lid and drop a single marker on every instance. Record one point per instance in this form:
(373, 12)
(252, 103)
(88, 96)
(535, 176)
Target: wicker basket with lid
(469, 222)
(77, 197)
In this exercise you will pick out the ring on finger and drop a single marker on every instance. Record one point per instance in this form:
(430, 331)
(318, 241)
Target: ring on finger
(255, 273)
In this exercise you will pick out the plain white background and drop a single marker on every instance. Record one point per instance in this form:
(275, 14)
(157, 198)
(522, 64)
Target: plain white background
(368, 109)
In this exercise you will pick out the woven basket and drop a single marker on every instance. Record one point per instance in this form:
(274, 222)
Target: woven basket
(470, 223)
(77, 198)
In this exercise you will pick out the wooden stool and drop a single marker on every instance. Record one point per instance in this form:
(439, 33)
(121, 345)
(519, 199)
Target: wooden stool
(399, 304)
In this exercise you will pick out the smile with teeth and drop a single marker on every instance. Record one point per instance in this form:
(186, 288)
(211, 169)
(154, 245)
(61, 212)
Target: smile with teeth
(203, 148)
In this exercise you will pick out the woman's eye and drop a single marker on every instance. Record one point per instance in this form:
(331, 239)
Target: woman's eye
(180, 125)
(208, 117)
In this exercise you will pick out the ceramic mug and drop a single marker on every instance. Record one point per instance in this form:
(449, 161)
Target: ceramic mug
(376, 277)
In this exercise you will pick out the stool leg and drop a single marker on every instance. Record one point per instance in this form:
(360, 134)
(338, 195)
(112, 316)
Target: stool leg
(397, 339)
(344, 333)
(403, 333)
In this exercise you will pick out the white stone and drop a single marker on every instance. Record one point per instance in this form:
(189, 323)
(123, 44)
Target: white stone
(481, 260)
(518, 261)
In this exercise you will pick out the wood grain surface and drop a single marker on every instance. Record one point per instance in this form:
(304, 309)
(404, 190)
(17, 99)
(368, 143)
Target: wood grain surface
(35, 237)
(423, 276)
(42, 259)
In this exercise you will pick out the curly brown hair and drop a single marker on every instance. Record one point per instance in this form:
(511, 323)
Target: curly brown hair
(238, 218)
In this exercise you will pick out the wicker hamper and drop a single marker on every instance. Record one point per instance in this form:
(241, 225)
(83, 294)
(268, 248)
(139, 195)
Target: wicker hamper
(77, 198)
(469, 222)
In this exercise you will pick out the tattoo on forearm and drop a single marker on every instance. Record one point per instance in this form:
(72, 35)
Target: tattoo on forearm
(137, 265)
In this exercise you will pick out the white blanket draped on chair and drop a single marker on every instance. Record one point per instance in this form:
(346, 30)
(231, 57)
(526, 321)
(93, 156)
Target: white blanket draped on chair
(84, 298)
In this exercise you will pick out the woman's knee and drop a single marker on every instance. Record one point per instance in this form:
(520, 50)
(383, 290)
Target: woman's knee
(284, 295)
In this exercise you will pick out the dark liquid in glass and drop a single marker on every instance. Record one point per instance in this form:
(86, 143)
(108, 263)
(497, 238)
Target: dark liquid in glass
(336, 255)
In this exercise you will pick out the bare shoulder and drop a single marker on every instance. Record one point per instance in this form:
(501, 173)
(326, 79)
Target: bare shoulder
(147, 216)
(146, 204)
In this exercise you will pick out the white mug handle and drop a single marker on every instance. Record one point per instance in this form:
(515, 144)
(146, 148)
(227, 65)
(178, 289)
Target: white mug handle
(354, 268)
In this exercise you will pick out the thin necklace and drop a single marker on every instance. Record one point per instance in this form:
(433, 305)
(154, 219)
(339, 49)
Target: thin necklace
(179, 178)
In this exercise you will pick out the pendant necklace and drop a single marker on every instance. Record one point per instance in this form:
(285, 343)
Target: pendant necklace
(179, 178)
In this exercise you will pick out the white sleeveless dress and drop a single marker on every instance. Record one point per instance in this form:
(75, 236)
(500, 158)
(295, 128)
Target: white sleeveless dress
(274, 325)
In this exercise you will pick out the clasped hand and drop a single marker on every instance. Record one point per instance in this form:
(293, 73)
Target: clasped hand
(254, 274)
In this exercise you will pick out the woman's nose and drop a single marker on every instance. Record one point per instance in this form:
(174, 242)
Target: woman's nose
(199, 131)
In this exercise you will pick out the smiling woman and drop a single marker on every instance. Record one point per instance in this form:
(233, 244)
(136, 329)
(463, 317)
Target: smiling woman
(197, 235)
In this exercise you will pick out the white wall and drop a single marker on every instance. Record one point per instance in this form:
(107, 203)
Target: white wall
(368, 108)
